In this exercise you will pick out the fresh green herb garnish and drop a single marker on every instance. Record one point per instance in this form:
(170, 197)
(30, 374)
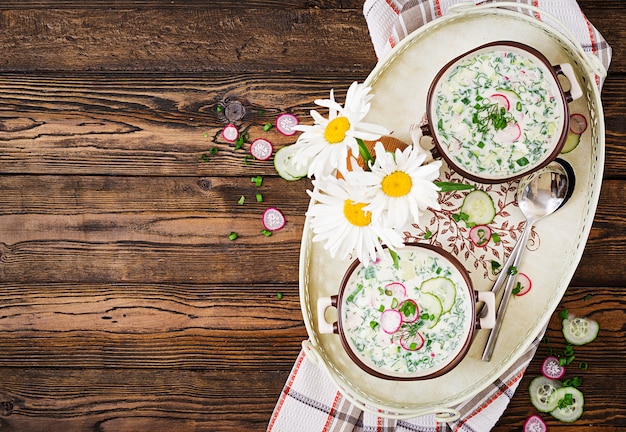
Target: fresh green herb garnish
(233, 236)
(495, 237)
(373, 325)
(204, 157)
(266, 233)
(219, 108)
(511, 271)
(267, 127)
(279, 295)
(564, 314)
(491, 113)
(241, 200)
(259, 198)
(428, 234)
(257, 180)
(451, 186)
(517, 289)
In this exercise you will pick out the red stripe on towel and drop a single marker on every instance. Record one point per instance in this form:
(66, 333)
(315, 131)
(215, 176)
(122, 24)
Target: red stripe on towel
(286, 391)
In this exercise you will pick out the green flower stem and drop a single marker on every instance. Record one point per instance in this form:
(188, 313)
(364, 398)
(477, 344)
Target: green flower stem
(364, 152)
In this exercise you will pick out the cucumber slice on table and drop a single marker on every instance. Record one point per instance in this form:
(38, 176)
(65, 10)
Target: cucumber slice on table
(479, 208)
(442, 288)
(580, 331)
(542, 392)
(571, 411)
(286, 167)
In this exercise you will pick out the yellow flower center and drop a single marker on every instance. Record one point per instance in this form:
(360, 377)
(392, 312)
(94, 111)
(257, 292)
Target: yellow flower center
(336, 129)
(397, 184)
(355, 214)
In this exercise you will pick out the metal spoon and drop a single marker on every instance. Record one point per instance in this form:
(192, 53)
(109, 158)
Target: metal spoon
(538, 195)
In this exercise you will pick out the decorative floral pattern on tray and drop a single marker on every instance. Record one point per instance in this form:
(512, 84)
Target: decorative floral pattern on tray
(447, 230)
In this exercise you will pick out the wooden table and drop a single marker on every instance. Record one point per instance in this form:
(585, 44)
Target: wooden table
(124, 304)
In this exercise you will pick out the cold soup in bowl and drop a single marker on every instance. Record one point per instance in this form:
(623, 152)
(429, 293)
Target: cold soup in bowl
(413, 320)
(499, 112)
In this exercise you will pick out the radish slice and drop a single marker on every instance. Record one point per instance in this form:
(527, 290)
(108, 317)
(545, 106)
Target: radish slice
(285, 124)
(551, 368)
(396, 289)
(523, 283)
(411, 342)
(577, 123)
(501, 100)
(390, 321)
(261, 149)
(480, 235)
(534, 423)
(409, 310)
(511, 133)
(273, 219)
(230, 133)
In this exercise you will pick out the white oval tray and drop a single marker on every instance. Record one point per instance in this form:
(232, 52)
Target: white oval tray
(400, 84)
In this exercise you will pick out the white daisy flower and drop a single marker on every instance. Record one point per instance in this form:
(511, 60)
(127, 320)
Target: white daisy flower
(399, 187)
(338, 219)
(324, 145)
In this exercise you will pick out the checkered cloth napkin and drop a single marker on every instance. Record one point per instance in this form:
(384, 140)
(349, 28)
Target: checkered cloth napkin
(310, 402)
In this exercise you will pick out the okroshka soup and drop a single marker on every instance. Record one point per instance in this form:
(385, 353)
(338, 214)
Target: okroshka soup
(499, 112)
(413, 321)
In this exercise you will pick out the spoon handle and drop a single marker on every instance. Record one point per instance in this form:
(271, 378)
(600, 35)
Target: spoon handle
(502, 276)
(508, 290)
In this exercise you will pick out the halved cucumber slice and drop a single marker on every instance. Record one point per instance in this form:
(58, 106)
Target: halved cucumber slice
(430, 305)
(286, 167)
(479, 208)
(572, 409)
(571, 142)
(580, 331)
(542, 392)
(442, 288)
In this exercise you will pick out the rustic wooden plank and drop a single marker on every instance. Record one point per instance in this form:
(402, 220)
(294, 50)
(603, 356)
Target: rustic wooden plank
(150, 326)
(185, 40)
(187, 4)
(114, 400)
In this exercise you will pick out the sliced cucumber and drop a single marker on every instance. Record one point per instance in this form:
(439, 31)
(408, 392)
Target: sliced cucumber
(442, 288)
(286, 167)
(430, 304)
(571, 142)
(580, 331)
(479, 208)
(573, 409)
(542, 393)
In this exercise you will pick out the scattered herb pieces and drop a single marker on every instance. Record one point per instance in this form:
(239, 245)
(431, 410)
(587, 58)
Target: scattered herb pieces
(495, 237)
(233, 236)
(259, 198)
(266, 232)
(511, 271)
(267, 127)
(241, 200)
(257, 180)
(279, 295)
(428, 234)
(219, 108)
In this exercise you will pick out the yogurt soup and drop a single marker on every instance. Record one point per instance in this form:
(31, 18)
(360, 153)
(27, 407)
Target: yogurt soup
(496, 112)
(407, 320)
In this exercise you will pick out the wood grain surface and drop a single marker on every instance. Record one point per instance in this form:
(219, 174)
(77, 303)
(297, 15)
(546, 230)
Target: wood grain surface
(124, 306)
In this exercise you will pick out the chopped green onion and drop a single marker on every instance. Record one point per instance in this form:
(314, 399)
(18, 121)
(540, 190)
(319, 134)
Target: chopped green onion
(246, 159)
(495, 237)
(517, 289)
(241, 200)
(428, 234)
(261, 112)
(452, 186)
(588, 297)
(279, 295)
(564, 314)
(511, 271)
(259, 198)
(257, 180)
(204, 157)
(219, 108)
(233, 236)
(395, 258)
(206, 135)
(214, 150)
(266, 233)
(572, 382)
(373, 324)
(583, 365)
(495, 266)
(267, 127)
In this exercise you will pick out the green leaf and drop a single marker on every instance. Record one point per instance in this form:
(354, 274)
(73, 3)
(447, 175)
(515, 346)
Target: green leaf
(453, 186)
